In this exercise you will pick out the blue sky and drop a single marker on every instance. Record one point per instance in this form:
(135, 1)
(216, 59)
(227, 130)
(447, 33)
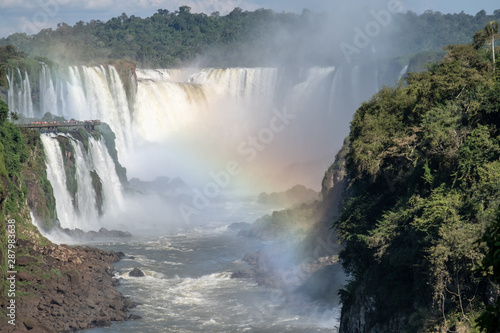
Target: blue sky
(30, 16)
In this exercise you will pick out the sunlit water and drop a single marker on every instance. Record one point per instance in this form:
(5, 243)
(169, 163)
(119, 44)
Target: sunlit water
(187, 287)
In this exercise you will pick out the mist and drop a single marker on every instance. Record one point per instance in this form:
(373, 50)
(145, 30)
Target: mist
(274, 121)
(199, 143)
(317, 75)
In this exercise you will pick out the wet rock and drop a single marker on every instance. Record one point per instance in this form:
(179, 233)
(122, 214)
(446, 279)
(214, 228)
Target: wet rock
(133, 317)
(103, 321)
(75, 292)
(136, 272)
(251, 258)
(129, 304)
(246, 274)
(103, 233)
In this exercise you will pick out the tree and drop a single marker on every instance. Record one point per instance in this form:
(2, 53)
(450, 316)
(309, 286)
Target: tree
(490, 318)
(479, 39)
(423, 165)
(491, 30)
(4, 111)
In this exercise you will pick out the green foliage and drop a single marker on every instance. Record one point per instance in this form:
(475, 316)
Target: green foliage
(290, 225)
(4, 111)
(421, 61)
(241, 38)
(23, 181)
(490, 319)
(166, 39)
(13, 194)
(424, 170)
(99, 195)
(15, 151)
(34, 175)
(68, 153)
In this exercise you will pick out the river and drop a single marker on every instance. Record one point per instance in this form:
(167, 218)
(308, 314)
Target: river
(188, 286)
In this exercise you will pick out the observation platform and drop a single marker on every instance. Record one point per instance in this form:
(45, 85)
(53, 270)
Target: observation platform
(54, 126)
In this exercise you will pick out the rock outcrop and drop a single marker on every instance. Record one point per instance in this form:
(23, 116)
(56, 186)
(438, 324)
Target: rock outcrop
(304, 256)
(64, 289)
(136, 272)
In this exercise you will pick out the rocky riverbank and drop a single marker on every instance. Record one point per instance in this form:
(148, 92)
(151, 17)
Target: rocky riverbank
(304, 257)
(268, 270)
(63, 289)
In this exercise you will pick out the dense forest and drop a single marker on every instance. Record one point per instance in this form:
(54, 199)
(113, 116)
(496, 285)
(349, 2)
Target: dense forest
(421, 219)
(244, 38)
(421, 212)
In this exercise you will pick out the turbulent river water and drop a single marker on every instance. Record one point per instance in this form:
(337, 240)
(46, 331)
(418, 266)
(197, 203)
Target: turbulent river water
(188, 286)
(219, 130)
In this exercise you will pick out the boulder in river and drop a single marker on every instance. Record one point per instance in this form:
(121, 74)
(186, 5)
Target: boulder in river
(136, 272)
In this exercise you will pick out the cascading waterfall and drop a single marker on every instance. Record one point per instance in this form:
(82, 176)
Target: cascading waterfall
(102, 162)
(19, 93)
(166, 101)
(164, 106)
(57, 177)
(81, 93)
(247, 84)
(83, 212)
(266, 119)
(85, 204)
(48, 94)
(207, 114)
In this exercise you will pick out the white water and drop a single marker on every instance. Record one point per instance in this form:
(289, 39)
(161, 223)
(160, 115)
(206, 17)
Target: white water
(48, 94)
(164, 106)
(57, 177)
(184, 122)
(19, 97)
(82, 93)
(192, 122)
(85, 206)
(83, 213)
(105, 168)
(187, 288)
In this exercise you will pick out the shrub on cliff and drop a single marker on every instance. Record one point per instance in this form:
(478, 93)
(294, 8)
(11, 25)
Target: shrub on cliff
(424, 170)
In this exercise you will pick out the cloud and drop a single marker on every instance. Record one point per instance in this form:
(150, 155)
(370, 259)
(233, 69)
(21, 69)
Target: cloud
(17, 4)
(99, 4)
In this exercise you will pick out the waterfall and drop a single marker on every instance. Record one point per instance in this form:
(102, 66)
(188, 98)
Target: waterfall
(85, 205)
(277, 123)
(48, 94)
(57, 177)
(166, 102)
(105, 167)
(78, 92)
(82, 213)
(19, 97)
(249, 84)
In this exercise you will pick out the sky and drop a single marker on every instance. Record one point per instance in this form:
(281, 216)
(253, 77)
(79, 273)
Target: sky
(30, 16)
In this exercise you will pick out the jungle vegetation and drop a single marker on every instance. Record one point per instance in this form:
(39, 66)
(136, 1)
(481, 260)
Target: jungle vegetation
(421, 220)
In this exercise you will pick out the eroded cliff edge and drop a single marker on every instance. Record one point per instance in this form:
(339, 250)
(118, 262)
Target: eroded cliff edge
(57, 288)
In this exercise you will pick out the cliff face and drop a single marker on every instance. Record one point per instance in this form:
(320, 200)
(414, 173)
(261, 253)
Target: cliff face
(68, 153)
(419, 228)
(334, 183)
(40, 198)
(306, 263)
(55, 285)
